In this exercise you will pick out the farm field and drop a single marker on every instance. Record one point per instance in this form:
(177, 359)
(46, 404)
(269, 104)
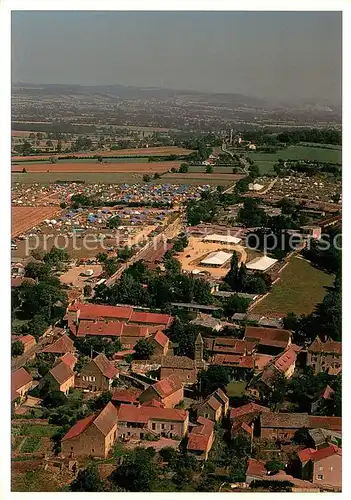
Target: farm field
(216, 169)
(300, 288)
(159, 151)
(73, 166)
(88, 177)
(131, 159)
(200, 179)
(24, 218)
(265, 161)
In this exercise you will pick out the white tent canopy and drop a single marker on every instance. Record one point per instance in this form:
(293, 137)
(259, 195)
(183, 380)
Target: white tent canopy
(261, 263)
(216, 259)
(222, 238)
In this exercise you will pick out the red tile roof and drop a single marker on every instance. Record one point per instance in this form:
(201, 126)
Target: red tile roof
(213, 403)
(237, 426)
(161, 338)
(167, 386)
(248, 409)
(142, 414)
(234, 360)
(328, 393)
(330, 423)
(104, 421)
(182, 362)
(14, 394)
(16, 282)
(61, 346)
(105, 366)
(330, 346)
(153, 402)
(274, 337)
(69, 359)
(151, 318)
(79, 427)
(61, 372)
(284, 420)
(200, 436)
(108, 328)
(285, 360)
(316, 455)
(256, 468)
(126, 395)
(95, 311)
(26, 339)
(232, 346)
(19, 378)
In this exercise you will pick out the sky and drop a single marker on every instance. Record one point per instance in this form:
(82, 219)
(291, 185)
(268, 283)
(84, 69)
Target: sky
(272, 55)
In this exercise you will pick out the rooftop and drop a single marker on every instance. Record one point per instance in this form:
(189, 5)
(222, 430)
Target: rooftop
(285, 360)
(61, 346)
(142, 414)
(126, 395)
(61, 372)
(105, 366)
(104, 421)
(285, 420)
(261, 263)
(19, 378)
(330, 346)
(316, 455)
(216, 258)
(275, 337)
(167, 386)
(222, 238)
(177, 362)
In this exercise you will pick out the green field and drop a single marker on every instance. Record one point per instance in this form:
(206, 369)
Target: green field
(89, 177)
(216, 170)
(34, 430)
(130, 159)
(265, 161)
(31, 444)
(236, 388)
(300, 288)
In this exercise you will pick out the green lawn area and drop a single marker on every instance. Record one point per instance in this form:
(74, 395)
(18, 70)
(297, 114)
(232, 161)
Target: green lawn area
(265, 161)
(300, 288)
(236, 388)
(36, 480)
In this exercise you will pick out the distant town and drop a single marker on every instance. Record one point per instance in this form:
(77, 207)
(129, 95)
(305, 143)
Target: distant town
(175, 293)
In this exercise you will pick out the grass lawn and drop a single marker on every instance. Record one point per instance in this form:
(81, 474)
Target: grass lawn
(265, 161)
(36, 480)
(300, 288)
(236, 388)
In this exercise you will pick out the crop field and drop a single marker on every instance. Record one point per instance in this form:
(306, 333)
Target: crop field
(300, 288)
(216, 169)
(24, 218)
(94, 161)
(73, 166)
(265, 161)
(88, 177)
(159, 151)
(201, 179)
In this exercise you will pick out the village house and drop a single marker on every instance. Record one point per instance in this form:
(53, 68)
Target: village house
(328, 423)
(214, 407)
(28, 342)
(322, 467)
(97, 375)
(168, 391)
(271, 341)
(138, 422)
(326, 395)
(182, 366)
(256, 471)
(61, 377)
(78, 312)
(92, 436)
(244, 418)
(69, 359)
(160, 342)
(325, 356)
(228, 345)
(126, 396)
(323, 437)
(61, 346)
(21, 383)
(201, 438)
(282, 426)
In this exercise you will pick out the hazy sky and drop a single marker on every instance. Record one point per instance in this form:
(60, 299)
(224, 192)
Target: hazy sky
(262, 54)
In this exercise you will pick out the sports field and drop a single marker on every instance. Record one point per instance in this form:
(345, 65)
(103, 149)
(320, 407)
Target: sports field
(265, 161)
(299, 289)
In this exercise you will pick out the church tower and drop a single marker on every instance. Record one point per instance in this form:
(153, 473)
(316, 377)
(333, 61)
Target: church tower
(199, 351)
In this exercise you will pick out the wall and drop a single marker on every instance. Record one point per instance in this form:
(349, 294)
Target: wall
(99, 384)
(208, 412)
(90, 443)
(331, 471)
(280, 433)
(185, 375)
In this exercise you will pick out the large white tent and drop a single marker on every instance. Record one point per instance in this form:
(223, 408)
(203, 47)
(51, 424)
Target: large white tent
(261, 263)
(216, 259)
(222, 238)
